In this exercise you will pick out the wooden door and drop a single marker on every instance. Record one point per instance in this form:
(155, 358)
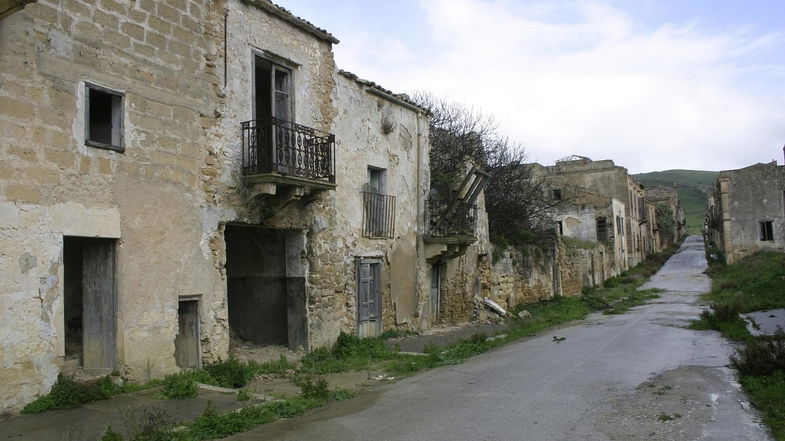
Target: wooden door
(98, 305)
(186, 344)
(369, 298)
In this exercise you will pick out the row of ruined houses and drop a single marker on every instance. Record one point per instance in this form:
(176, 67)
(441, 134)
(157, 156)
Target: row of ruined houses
(177, 176)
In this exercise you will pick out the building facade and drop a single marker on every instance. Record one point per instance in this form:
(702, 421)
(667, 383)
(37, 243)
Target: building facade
(747, 211)
(180, 176)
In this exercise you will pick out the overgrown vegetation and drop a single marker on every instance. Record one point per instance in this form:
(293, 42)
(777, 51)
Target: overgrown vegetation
(517, 203)
(753, 284)
(68, 393)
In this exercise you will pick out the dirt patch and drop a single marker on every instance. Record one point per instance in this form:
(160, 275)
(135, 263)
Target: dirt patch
(247, 351)
(675, 405)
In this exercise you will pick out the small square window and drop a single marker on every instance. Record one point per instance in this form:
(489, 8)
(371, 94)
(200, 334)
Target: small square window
(766, 231)
(557, 194)
(103, 118)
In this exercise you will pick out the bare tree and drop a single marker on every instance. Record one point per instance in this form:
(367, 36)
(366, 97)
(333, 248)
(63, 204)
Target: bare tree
(517, 201)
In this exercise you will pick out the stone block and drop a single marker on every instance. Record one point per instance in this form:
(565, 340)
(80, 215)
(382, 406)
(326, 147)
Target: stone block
(155, 39)
(106, 20)
(168, 13)
(22, 193)
(16, 109)
(115, 6)
(77, 9)
(179, 48)
(62, 159)
(103, 165)
(132, 30)
(42, 12)
(158, 25)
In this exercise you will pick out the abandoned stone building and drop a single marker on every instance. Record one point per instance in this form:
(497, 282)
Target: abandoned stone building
(608, 179)
(592, 217)
(669, 223)
(179, 175)
(746, 211)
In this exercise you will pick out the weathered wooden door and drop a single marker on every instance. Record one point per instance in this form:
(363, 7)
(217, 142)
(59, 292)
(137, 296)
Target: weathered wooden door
(186, 344)
(99, 304)
(368, 298)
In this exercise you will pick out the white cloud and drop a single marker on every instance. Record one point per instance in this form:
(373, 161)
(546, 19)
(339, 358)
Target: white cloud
(580, 77)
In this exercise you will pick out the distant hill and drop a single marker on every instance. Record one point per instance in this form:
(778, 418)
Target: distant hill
(692, 186)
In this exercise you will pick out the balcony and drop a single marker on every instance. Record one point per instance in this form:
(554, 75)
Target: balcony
(277, 153)
(450, 219)
(378, 215)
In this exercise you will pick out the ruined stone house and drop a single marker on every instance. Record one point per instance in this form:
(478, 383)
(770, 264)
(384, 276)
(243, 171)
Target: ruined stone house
(670, 226)
(592, 217)
(177, 175)
(746, 211)
(608, 179)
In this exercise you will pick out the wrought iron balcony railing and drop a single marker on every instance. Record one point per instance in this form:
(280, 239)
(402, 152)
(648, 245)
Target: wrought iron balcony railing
(378, 215)
(272, 145)
(450, 217)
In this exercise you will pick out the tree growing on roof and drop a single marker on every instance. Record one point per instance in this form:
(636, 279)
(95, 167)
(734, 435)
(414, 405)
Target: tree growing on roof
(517, 201)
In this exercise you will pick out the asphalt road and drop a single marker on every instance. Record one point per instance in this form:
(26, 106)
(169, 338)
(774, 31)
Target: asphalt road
(641, 375)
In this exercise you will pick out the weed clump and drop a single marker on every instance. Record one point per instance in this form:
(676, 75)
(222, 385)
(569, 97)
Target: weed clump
(68, 393)
(179, 386)
(761, 357)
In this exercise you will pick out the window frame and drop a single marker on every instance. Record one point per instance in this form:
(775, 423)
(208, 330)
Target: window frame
(766, 230)
(120, 117)
(276, 64)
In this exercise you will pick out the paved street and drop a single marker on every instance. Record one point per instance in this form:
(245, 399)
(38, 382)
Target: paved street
(640, 375)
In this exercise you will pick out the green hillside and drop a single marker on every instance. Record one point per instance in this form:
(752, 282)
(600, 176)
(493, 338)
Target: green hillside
(692, 186)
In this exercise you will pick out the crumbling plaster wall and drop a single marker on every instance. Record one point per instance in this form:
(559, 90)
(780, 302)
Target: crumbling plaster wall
(149, 197)
(361, 142)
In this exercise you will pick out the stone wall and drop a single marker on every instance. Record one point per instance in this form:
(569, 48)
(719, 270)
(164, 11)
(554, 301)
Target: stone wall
(534, 273)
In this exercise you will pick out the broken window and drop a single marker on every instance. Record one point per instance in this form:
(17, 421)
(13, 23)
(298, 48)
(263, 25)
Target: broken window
(273, 90)
(561, 228)
(766, 231)
(557, 194)
(103, 118)
(602, 229)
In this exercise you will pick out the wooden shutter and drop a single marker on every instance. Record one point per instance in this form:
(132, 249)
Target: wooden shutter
(365, 291)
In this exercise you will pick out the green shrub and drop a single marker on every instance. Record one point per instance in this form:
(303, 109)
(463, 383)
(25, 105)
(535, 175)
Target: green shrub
(179, 386)
(314, 387)
(761, 357)
(232, 372)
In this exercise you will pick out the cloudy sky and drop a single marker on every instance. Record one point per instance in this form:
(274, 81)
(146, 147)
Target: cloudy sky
(651, 84)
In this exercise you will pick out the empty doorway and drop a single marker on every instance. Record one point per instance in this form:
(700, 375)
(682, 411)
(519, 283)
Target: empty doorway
(437, 270)
(266, 285)
(90, 298)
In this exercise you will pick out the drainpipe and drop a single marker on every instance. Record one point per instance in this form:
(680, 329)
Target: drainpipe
(418, 245)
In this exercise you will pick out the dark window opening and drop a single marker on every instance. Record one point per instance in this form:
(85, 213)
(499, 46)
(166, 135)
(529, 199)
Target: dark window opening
(602, 229)
(561, 228)
(557, 194)
(104, 118)
(766, 231)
